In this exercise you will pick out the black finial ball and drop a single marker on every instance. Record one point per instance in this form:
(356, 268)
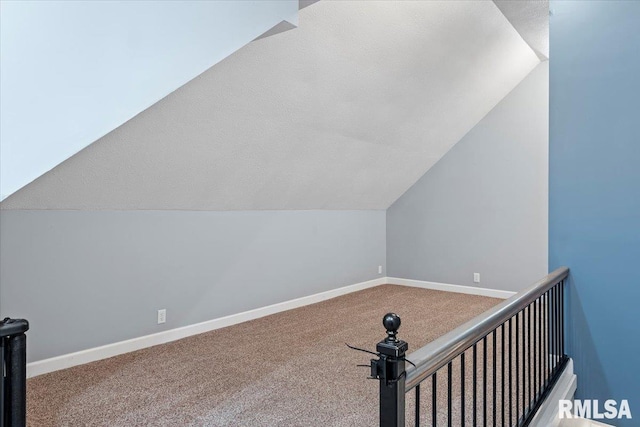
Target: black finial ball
(391, 322)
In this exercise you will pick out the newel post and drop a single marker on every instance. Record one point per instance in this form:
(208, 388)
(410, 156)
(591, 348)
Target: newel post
(13, 372)
(390, 370)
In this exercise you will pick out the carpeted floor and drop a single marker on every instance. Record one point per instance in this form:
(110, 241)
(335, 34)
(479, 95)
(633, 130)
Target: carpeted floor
(288, 369)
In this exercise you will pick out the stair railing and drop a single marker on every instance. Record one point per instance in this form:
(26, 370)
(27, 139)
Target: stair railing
(496, 369)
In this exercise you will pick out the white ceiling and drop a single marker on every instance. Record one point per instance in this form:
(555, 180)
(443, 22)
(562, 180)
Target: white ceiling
(345, 112)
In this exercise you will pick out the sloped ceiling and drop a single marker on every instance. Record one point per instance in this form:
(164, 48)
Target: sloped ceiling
(345, 112)
(72, 71)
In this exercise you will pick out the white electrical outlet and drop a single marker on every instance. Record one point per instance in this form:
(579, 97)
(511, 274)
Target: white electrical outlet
(162, 316)
(476, 277)
(379, 269)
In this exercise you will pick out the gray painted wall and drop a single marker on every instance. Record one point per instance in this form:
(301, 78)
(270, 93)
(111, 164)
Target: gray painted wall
(484, 206)
(85, 279)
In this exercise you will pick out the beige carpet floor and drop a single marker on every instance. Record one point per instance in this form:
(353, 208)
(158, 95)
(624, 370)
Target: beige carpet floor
(288, 369)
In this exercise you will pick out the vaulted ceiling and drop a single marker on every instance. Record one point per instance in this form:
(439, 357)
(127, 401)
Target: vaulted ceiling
(345, 112)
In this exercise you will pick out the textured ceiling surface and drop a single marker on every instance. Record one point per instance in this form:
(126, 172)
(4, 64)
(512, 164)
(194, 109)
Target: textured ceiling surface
(531, 19)
(345, 112)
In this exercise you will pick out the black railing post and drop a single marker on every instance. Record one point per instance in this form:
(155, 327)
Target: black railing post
(13, 372)
(390, 369)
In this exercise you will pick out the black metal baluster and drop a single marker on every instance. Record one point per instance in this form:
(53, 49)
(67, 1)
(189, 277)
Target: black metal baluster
(557, 325)
(502, 376)
(434, 399)
(560, 332)
(2, 381)
(495, 384)
(544, 341)
(462, 378)
(510, 373)
(558, 322)
(540, 389)
(484, 381)
(524, 362)
(557, 310)
(449, 381)
(541, 326)
(553, 331)
(554, 351)
(418, 405)
(547, 340)
(529, 327)
(517, 369)
(534, 386)
(475, 385)
(562, 319)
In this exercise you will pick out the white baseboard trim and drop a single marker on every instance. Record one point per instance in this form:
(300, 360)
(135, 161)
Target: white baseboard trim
(564, 389)
(98, 353)
(495, 293)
